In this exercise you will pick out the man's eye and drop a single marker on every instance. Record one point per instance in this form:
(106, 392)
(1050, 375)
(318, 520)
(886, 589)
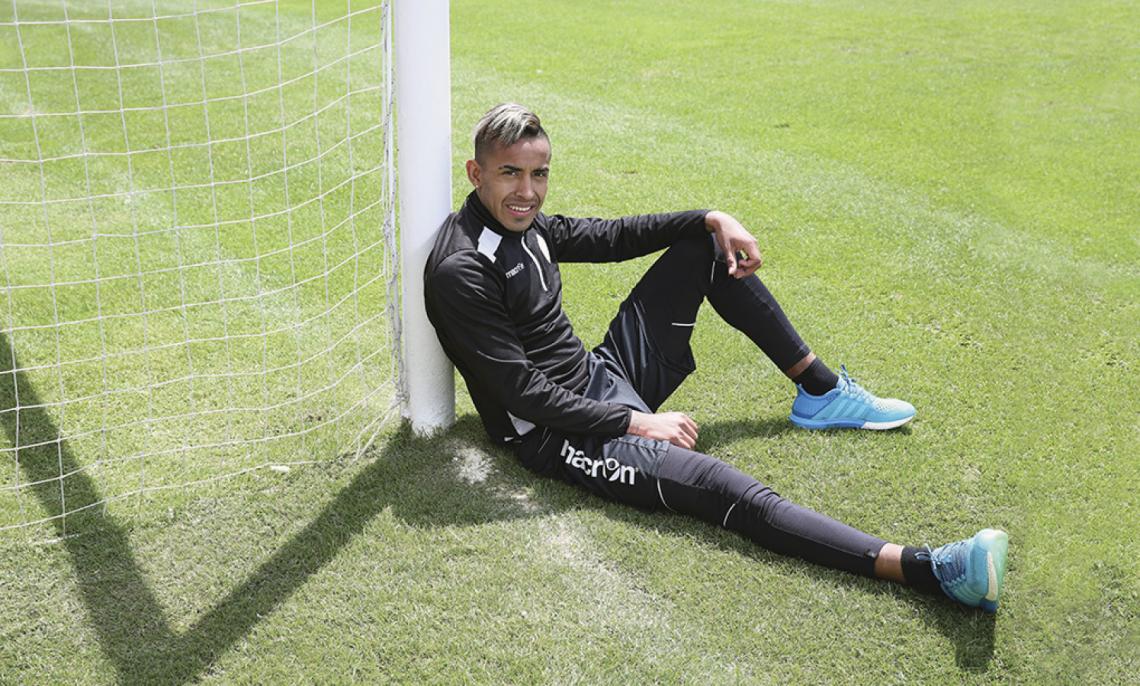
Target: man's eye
(542, 173)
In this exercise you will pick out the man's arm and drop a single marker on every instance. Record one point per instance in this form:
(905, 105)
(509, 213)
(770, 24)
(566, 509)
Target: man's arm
(612, 240)
(466, 307)
(579, 239)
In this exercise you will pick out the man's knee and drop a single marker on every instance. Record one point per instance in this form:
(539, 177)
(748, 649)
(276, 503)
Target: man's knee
(703, 250)
(681, 277)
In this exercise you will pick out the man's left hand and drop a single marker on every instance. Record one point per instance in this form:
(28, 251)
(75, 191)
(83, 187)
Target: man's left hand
(741, 252)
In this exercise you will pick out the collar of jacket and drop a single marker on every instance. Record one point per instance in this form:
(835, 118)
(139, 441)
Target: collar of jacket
(484, 215)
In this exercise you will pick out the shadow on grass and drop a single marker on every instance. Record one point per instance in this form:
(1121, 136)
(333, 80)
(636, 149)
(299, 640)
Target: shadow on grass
(722, 431)
(121, 606)
(128, 619)
(133, 631)
(971, 631)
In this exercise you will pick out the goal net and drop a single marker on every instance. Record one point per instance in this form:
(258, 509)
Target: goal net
(198, 272)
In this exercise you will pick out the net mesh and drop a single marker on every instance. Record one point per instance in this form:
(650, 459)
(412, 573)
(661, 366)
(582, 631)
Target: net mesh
(197, 244)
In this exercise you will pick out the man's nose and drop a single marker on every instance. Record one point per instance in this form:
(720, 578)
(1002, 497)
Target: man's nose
(526, 188)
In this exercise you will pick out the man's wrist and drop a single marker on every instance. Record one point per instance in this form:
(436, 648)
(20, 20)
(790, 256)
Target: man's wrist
(712, 220)
(629, 426)
(636, 426)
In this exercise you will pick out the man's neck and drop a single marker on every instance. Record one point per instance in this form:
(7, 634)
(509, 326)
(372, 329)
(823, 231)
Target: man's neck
(484, 215)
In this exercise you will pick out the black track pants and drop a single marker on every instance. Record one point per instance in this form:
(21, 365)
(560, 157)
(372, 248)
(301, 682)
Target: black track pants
(642, 360)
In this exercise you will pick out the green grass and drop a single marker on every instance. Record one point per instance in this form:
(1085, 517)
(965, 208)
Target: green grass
(236, 307)
(946, 198)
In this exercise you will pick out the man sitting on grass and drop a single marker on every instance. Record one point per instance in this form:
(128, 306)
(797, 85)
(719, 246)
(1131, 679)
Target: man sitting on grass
(494, 295)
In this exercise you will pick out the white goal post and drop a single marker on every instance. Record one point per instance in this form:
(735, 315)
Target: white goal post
(204, 270)
(423, 97)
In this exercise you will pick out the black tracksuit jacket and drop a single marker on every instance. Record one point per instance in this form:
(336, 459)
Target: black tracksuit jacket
(495, 299)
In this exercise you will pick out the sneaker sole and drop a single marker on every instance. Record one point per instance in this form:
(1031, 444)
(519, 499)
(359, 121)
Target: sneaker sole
(996, 544)
(804, 423)
(990, 604)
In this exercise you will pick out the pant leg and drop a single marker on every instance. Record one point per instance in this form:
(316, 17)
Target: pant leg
(704, 487)
(648, 340)
(655, 474)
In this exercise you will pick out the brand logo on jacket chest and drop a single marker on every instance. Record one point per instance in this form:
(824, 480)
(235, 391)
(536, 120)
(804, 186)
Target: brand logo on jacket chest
(514, 270)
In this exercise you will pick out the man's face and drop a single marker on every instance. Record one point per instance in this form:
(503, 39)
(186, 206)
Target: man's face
(511, 181)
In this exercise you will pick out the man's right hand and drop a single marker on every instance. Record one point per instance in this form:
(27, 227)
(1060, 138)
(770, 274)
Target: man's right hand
(675, 427)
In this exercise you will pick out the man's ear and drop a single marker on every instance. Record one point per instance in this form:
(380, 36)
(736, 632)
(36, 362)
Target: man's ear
(474, 173)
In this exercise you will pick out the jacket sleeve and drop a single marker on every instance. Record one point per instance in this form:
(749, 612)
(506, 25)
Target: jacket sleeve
(465, 304)
(613, 240)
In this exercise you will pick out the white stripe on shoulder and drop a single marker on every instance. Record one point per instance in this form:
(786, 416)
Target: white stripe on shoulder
(489, 243)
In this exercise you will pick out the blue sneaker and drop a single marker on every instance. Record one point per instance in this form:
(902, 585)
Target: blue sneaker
(971, 571)
(848, 406)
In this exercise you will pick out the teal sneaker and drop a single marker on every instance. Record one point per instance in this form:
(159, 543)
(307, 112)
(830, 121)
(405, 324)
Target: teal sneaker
(972, 570)
(848, 406)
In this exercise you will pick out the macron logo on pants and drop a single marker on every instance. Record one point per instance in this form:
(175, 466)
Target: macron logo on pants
(609, 468)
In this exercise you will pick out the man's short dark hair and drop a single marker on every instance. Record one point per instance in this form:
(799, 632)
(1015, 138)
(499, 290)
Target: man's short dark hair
(505, 125)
